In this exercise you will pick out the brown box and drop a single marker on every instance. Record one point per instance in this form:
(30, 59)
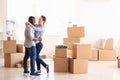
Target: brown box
(118, 63)
(107, 55)
(10, 60)
(75, 32)
(69, 53)
(20, 48)
(9, 46)
(94, 54)
(69, 41)
(108, 44)
(78, 65)
(61, 52)
(18, 65)
(10, 38)
(81, 51)
(61, 64)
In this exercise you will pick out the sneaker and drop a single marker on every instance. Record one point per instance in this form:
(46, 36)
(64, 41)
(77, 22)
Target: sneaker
(26, 73)
(47, 68)
(34, 74)
(38, 71)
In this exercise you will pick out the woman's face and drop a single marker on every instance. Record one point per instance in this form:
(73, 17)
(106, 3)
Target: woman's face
(40, 21)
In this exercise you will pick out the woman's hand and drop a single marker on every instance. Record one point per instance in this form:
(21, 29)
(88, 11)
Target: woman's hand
(27, 24)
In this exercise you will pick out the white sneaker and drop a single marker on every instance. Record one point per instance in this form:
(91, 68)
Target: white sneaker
(38, 71)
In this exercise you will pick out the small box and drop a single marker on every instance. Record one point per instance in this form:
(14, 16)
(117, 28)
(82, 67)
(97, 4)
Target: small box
(9, 46)
(81, 51)
(61, 52)
(78, 66)
(10, 60)
(107, 55)
(18, 65)
(10, 38)
(94, 54)
(61, 64)
(69, 41)
(20, 48)
(75, 32)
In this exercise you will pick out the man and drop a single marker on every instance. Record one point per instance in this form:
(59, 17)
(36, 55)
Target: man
(30, 49)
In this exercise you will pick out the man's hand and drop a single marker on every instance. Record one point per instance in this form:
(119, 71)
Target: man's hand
(36, 39)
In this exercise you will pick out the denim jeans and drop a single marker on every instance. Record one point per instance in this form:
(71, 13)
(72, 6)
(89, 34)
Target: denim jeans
(30, 52)
(39, 61)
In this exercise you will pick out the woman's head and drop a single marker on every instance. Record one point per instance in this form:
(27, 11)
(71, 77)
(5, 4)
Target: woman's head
(32, 20)
(42, 20)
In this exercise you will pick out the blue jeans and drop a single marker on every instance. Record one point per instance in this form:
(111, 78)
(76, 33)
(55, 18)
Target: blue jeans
(30, 52)
(39, 61)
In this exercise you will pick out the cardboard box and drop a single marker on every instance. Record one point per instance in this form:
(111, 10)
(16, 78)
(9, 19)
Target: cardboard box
(18, 65)
(94, 54)
(10, 60)
(75, 32)
(81, 51)
(69, 41)
(20, 48)
(107, 55)
(61, 52)
(78, 66)
(9, 46)
(61, 64)
(69, 53)
(118, 63)
(108, 44)
(10, 38)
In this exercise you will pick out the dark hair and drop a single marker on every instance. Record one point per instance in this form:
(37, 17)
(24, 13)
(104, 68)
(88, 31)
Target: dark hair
(44, 18)
(30, 19)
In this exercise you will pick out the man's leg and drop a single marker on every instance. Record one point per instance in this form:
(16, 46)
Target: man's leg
(25, 61)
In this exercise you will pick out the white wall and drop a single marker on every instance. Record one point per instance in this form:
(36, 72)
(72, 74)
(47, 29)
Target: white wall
(100, 17)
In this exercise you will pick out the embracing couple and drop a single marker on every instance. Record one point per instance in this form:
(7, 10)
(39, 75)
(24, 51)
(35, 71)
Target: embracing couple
(33, 45)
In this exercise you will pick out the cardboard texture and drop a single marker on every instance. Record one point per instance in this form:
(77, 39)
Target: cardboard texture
(10, 60)
(107, 55)
(69, 41)
(81, 51)
(75, 32)
(118, 63)
(61, 64)
(9, 46)
(20, 48)
(108, 44)
(61, 52)
(94, 54)
(78, 66)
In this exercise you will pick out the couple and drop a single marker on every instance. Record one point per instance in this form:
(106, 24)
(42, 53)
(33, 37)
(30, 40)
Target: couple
(33, 45)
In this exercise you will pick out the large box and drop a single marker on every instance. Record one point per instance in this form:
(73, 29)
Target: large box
(107, 55)
(81, 51)
(78, 65)
(75, 32)
(10, 60)
(20, 48)
(61, 52)
(94, 54)
(9, 46)
(69, 41)
(61, 64)
(108, 44)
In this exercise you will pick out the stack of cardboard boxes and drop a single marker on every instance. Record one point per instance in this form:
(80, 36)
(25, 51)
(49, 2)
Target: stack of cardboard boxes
(13, 53)
(74, 58)
(79, 60)
(107, 53)
(61, 61)
(74, 34)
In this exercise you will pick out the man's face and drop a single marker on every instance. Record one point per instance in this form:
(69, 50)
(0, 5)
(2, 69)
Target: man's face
(33, 21)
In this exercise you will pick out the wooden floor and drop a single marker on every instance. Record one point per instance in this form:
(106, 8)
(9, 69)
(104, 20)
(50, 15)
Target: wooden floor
(97, 70)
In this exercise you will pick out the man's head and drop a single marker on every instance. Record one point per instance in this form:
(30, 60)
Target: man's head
(32, 20)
